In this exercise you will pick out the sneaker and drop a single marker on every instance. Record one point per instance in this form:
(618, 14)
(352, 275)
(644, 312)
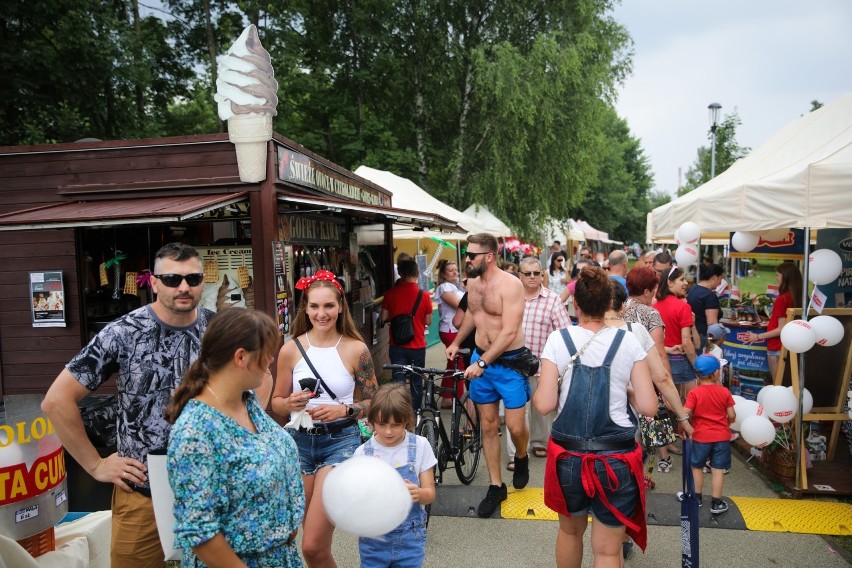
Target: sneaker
(664, 466)
(718, 506)
(679, 496)
(626, 547)
(495, 496)
(521, 475)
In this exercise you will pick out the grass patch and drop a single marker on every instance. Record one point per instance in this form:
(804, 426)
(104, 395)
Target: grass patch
(757, 282)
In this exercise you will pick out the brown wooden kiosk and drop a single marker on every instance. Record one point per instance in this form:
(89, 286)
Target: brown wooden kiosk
(67, 210)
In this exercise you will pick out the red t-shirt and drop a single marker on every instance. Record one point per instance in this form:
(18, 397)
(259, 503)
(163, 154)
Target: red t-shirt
(708, 404)
(400, 300)
(676, 315)
(779, 310)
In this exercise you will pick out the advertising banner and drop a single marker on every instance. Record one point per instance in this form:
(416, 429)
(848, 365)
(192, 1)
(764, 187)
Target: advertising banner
(781, 244)
(838, 293)
(48, 297)
(748, 363)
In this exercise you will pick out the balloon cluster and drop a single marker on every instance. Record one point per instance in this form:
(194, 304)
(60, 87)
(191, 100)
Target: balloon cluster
(774, 404)
(824, 266)
(687, 237)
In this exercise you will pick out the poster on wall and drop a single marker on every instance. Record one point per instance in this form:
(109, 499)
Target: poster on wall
(228, 277)
(838, 293)
(48, 297)
(282, 255)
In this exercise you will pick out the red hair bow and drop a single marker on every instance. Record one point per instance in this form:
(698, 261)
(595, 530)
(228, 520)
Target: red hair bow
(306, 281)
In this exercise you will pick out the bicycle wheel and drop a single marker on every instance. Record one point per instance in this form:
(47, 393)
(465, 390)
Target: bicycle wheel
(428, 428)
(468, 437)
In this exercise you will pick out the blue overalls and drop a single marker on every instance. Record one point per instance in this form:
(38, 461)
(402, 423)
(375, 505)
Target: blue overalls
(404, 546)
(592, 458)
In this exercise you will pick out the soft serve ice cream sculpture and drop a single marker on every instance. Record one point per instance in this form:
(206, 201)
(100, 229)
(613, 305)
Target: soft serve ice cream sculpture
(246, 93)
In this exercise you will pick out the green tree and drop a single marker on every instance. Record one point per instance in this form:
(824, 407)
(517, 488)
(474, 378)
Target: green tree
(728, 151)
(618, 200)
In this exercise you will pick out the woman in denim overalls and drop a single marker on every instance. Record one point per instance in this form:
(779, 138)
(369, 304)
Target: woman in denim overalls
(391, 415)
(593, 461)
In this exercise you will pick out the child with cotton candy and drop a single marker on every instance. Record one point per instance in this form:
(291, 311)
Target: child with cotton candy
(392, 417)
(711, 410)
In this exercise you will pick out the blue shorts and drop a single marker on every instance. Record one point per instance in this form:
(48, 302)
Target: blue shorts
(623, 493)
(499, 383)
(316, 452)
(773, 353)
(719, 454)
(682, 369)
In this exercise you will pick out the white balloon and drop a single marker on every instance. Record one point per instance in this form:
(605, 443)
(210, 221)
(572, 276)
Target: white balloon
(365, 496)
(744, 241)
(798, 336)
(829, 331)
(686, 255)
(824, 266)
(761, 394)
(689, 232)
(757, 431)
(677, 236)
(780, 404)
(744, 408)
(807, 400)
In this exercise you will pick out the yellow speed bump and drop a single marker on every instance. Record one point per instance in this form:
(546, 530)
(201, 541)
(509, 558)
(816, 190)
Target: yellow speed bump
(788, 515)
(527, 505)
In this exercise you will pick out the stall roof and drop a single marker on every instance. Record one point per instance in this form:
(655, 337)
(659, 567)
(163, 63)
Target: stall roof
(403, 216)
(490, 221)
(116, 212)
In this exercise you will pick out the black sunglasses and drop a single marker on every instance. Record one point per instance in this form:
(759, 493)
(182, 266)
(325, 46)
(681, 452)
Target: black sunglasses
(473, 255)
(174, 280)
(533, 273)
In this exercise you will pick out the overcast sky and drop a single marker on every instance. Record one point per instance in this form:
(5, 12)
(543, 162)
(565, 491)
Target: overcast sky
(765, 58)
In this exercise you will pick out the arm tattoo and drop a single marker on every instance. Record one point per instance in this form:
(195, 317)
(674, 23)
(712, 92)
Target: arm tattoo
(365, 378)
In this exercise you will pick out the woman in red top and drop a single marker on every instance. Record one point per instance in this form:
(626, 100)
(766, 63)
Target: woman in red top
(679, 320)
(789, 296)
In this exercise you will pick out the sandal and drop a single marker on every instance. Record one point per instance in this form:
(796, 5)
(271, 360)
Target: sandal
(511, 465)
(539, 452)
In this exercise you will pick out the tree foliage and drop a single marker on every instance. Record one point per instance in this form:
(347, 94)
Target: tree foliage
(728, 151)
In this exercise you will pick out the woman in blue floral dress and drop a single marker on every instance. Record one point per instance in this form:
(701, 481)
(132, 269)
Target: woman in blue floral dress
(234, 472)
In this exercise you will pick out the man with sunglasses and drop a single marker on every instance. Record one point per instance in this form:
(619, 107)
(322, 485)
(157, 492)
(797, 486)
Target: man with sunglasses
(148, 350)
(495, 311)
(544, 312)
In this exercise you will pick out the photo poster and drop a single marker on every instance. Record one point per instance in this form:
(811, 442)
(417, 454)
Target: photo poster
(282, 255)
(48, 298)
(838, 293)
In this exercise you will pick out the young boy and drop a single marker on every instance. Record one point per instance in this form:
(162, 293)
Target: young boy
(711, 407)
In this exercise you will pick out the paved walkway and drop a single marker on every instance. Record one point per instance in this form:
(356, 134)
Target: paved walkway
(470, 541)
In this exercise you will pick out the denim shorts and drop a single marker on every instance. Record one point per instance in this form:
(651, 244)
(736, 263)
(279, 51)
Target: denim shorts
(622, 493)
(316, 452)
(773, 353)
(718, 452)
(499, 383)
(682, 370)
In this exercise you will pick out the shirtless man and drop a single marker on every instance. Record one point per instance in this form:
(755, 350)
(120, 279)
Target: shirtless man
(496, 311)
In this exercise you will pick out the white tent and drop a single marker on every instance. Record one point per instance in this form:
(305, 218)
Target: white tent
(409, 195)
(490, 222)
(800, 177)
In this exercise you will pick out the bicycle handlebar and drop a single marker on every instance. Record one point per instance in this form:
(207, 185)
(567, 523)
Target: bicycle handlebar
(429, 371)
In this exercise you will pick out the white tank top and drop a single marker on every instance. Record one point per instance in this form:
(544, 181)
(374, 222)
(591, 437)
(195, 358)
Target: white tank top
(329, 365)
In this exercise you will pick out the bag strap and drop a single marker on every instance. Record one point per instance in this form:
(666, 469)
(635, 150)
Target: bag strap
(416, 302)
(314, 370)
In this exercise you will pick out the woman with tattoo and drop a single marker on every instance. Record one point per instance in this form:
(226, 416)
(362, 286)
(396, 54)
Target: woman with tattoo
(317, 373)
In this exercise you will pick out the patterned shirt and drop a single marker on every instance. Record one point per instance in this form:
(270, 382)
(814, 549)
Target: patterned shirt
(542, 314)
(150, 358)
(637, 312)
(245, 485)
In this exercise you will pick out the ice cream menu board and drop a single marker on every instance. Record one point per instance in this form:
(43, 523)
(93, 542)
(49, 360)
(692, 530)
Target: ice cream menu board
(48, 297)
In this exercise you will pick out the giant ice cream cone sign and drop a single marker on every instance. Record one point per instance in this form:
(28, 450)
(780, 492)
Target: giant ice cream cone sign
(246, 92)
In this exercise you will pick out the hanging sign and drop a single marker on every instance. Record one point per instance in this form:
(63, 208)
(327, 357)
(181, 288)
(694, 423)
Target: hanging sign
(776, 245)
(48, 299)
(838, 293)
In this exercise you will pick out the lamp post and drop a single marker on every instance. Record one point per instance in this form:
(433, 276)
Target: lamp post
(715, 110)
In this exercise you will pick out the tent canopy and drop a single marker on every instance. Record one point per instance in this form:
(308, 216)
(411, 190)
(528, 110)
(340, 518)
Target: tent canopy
(800, 177)
(409, 195)
(491, 224)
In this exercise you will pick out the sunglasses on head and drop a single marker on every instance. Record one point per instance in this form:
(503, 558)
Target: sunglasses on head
(174, 280)
(473, 255)
(532, 273)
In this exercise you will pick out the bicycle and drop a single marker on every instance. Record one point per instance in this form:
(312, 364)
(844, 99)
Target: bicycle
(463, 442)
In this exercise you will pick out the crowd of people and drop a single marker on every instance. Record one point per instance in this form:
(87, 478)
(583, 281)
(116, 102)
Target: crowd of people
(571, 359)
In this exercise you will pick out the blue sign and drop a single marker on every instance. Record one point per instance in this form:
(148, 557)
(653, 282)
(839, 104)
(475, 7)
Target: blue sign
(776, 245)
(748, 363)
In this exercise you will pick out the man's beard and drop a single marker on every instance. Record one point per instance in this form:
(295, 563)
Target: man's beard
(474, 271)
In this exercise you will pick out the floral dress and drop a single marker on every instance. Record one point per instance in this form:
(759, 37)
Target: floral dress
(228, 480)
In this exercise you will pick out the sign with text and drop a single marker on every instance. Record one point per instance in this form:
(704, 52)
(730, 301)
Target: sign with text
(776, 245)
(48, 297)
(838, 293)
